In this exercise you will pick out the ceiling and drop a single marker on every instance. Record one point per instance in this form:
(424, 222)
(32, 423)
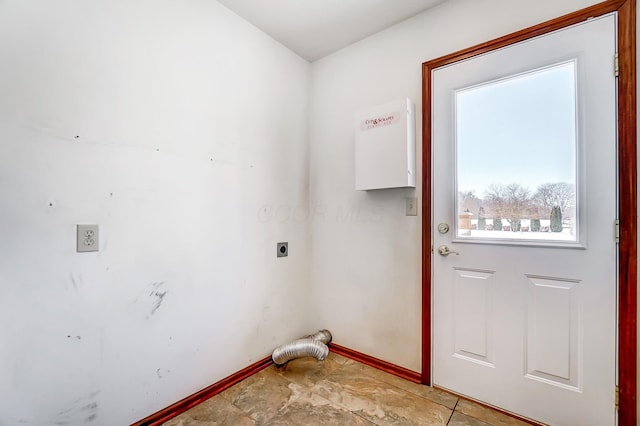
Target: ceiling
(316, 28)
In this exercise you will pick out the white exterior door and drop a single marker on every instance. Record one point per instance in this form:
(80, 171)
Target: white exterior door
(524, 302)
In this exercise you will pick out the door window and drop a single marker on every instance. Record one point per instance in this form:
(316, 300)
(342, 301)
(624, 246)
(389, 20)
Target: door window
(516, 154)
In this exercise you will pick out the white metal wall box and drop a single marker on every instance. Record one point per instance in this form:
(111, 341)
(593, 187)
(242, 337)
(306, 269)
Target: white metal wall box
(385, 146)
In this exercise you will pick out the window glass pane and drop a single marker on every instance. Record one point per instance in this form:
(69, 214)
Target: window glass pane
(516, 148)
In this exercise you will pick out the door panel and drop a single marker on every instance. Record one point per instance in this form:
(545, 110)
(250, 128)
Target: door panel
(520, 321)
(472, 316)
(553, 318)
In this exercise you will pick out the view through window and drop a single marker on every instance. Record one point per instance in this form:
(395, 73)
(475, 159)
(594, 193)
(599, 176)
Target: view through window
(516, 149)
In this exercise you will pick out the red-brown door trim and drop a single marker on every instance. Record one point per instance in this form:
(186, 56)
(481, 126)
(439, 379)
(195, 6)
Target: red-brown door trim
(627, 187)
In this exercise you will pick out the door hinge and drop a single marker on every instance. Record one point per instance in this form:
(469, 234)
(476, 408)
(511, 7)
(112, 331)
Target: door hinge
(616, 231)
(616, 65)
(617, 397)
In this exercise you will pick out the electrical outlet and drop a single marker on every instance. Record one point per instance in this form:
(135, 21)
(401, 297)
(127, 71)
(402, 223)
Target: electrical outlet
(283, 249)
(411, 206)
(87, 238)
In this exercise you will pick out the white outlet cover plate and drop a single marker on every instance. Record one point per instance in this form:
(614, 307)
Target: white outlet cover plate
(87, 238)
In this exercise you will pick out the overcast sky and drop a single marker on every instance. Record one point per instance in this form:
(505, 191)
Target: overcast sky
(521, 129)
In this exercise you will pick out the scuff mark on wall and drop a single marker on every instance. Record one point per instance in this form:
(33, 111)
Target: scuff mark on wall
(82, 410)
(75, 281)
(158, 302)
(161, 374)
(92, 410)
(159, 295)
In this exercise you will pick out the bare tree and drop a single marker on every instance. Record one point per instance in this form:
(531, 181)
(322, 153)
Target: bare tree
(468, 201)
(512, 202)
(560, 194)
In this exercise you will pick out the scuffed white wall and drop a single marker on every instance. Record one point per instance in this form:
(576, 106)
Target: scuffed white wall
(178, 128)
(181, 130)
(366, 266)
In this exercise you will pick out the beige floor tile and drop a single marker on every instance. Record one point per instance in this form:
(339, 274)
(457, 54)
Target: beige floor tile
(338, 358)
(262, 395)
(435, 395)
(336, 391)
(459, 419)
(307, 371)
(380, 403)
(213, 412)
(307, 408)
(487, 415)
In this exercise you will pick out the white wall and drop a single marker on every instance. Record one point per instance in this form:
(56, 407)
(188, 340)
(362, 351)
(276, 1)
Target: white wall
(365, 268)
(182, 130)
(179, 129)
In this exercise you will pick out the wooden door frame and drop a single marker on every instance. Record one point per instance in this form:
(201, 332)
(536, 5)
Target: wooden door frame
(627, 182)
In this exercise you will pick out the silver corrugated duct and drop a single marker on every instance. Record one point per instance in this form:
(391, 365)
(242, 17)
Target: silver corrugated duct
(314, 345)
(323, 335)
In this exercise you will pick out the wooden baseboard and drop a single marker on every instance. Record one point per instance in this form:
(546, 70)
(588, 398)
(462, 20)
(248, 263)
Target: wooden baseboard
(201, 396)
(396, 370)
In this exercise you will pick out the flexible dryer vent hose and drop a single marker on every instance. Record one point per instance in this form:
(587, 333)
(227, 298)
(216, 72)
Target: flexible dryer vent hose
(323, 335)
(314, 345)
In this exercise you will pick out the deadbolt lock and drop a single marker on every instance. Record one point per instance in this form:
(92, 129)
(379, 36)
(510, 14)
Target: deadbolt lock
(443, 228)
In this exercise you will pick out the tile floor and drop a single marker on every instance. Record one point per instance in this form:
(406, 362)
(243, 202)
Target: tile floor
(336, 391)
